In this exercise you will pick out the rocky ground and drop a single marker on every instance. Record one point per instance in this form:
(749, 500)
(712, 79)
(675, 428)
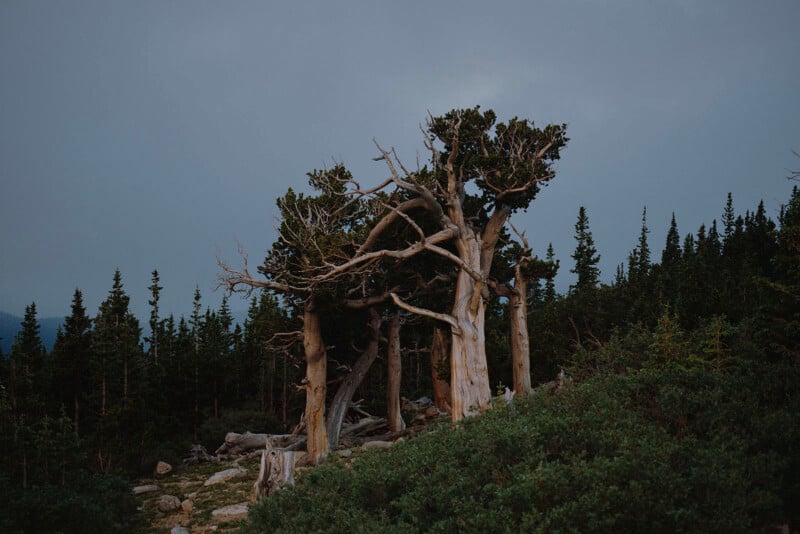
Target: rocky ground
(214, 494)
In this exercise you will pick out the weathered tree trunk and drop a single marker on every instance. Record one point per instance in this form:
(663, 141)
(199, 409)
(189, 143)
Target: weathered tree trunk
(395, 369)
(469, 375)
(441, 389)
(520, 342)
(277, 470)
(344, 395)
(316, 376)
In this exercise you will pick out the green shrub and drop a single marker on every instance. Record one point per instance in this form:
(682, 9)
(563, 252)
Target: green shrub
(663, 449)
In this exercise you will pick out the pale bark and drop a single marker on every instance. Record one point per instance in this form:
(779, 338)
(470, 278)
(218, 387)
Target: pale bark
(344, 395)
(441, 389)
(469, 375)
(276, 471)
(520, 342)
(316, 375)
(394, 364)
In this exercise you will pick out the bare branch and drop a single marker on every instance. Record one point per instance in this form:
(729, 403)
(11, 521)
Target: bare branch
(449, 319)
(372, 300)
(411, 250)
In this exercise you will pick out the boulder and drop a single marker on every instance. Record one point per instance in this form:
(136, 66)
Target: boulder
(178, 529)
(377, 444)
(187, 506)
(224, 476)
(233, 511)
(149, 488)
(162, 468)
(168, 503)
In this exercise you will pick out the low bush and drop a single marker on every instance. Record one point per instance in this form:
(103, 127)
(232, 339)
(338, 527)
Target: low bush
(665, 448)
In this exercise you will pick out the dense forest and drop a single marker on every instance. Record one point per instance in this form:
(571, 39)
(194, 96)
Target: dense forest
(422, 285)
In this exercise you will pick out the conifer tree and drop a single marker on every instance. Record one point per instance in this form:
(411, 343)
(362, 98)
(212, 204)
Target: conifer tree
(729, 218)
(644, 250)
(671, 254)
(26, 389)
(585, 255)
(549, 283)
(71, 358)
(155, 324)
(117, 371)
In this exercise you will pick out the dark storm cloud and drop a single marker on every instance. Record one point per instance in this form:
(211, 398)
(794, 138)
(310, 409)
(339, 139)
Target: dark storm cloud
(147, 135)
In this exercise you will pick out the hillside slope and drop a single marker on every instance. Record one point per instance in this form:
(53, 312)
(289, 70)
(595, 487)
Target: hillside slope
(663, 449)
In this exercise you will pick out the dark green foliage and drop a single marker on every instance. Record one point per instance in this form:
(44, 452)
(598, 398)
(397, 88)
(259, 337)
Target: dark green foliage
(87, 503)
(585, 255)
(664, 449)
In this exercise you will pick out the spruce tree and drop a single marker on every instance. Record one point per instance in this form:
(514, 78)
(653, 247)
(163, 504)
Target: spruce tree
(549, 283)
(71, 358)
(155, 324)
(585, 255)
(644, 250)
(117, 373)
(27, 391)
(671, 254)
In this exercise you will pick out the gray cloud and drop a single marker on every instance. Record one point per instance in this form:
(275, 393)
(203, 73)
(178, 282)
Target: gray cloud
(155, 135)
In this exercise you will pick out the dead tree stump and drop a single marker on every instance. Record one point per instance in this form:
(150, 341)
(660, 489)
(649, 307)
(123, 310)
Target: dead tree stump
(277, 470)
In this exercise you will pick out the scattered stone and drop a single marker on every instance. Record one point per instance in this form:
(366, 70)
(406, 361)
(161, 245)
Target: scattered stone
(377, 444)
(224, 476)
(162, 468)
(138, 490)
(233, 511)
(345, 453)
(168, 503)
(178, 529)
(187, 506)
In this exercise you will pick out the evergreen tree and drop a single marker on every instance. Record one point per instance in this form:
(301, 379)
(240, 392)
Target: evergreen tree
(585, 255)
(671, 254)
(549, 283)
(71, 357)
(644, 250)
(155, 324)
(729, 218)
(27, 387)
(27, 391)
(117, 374)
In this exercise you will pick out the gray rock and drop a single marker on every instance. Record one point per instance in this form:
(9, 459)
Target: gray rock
(178, 529)
(224, 476)
(378, 444)
(345, 453)
(162, 468)
(138, 490)
(168, 503)
(233, 511)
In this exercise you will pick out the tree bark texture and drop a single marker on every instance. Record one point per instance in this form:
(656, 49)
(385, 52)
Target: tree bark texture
(394, 364)
(344, 395)
(316, 375)
(520, 342)
(469, 375)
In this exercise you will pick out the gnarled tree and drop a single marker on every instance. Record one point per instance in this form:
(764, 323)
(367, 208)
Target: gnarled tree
(506, 164)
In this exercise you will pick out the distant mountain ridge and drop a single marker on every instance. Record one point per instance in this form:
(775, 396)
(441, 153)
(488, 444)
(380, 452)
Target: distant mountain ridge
(11, 324)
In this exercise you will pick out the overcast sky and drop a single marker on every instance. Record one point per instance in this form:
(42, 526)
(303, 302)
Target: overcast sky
(156, 134)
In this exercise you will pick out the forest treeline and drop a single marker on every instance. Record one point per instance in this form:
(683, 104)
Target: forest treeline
(114, 396)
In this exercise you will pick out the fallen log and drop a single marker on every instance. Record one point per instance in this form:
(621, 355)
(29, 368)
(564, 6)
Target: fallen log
(238, 443)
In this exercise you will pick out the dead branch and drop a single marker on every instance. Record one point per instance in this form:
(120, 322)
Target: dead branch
(449, 319)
